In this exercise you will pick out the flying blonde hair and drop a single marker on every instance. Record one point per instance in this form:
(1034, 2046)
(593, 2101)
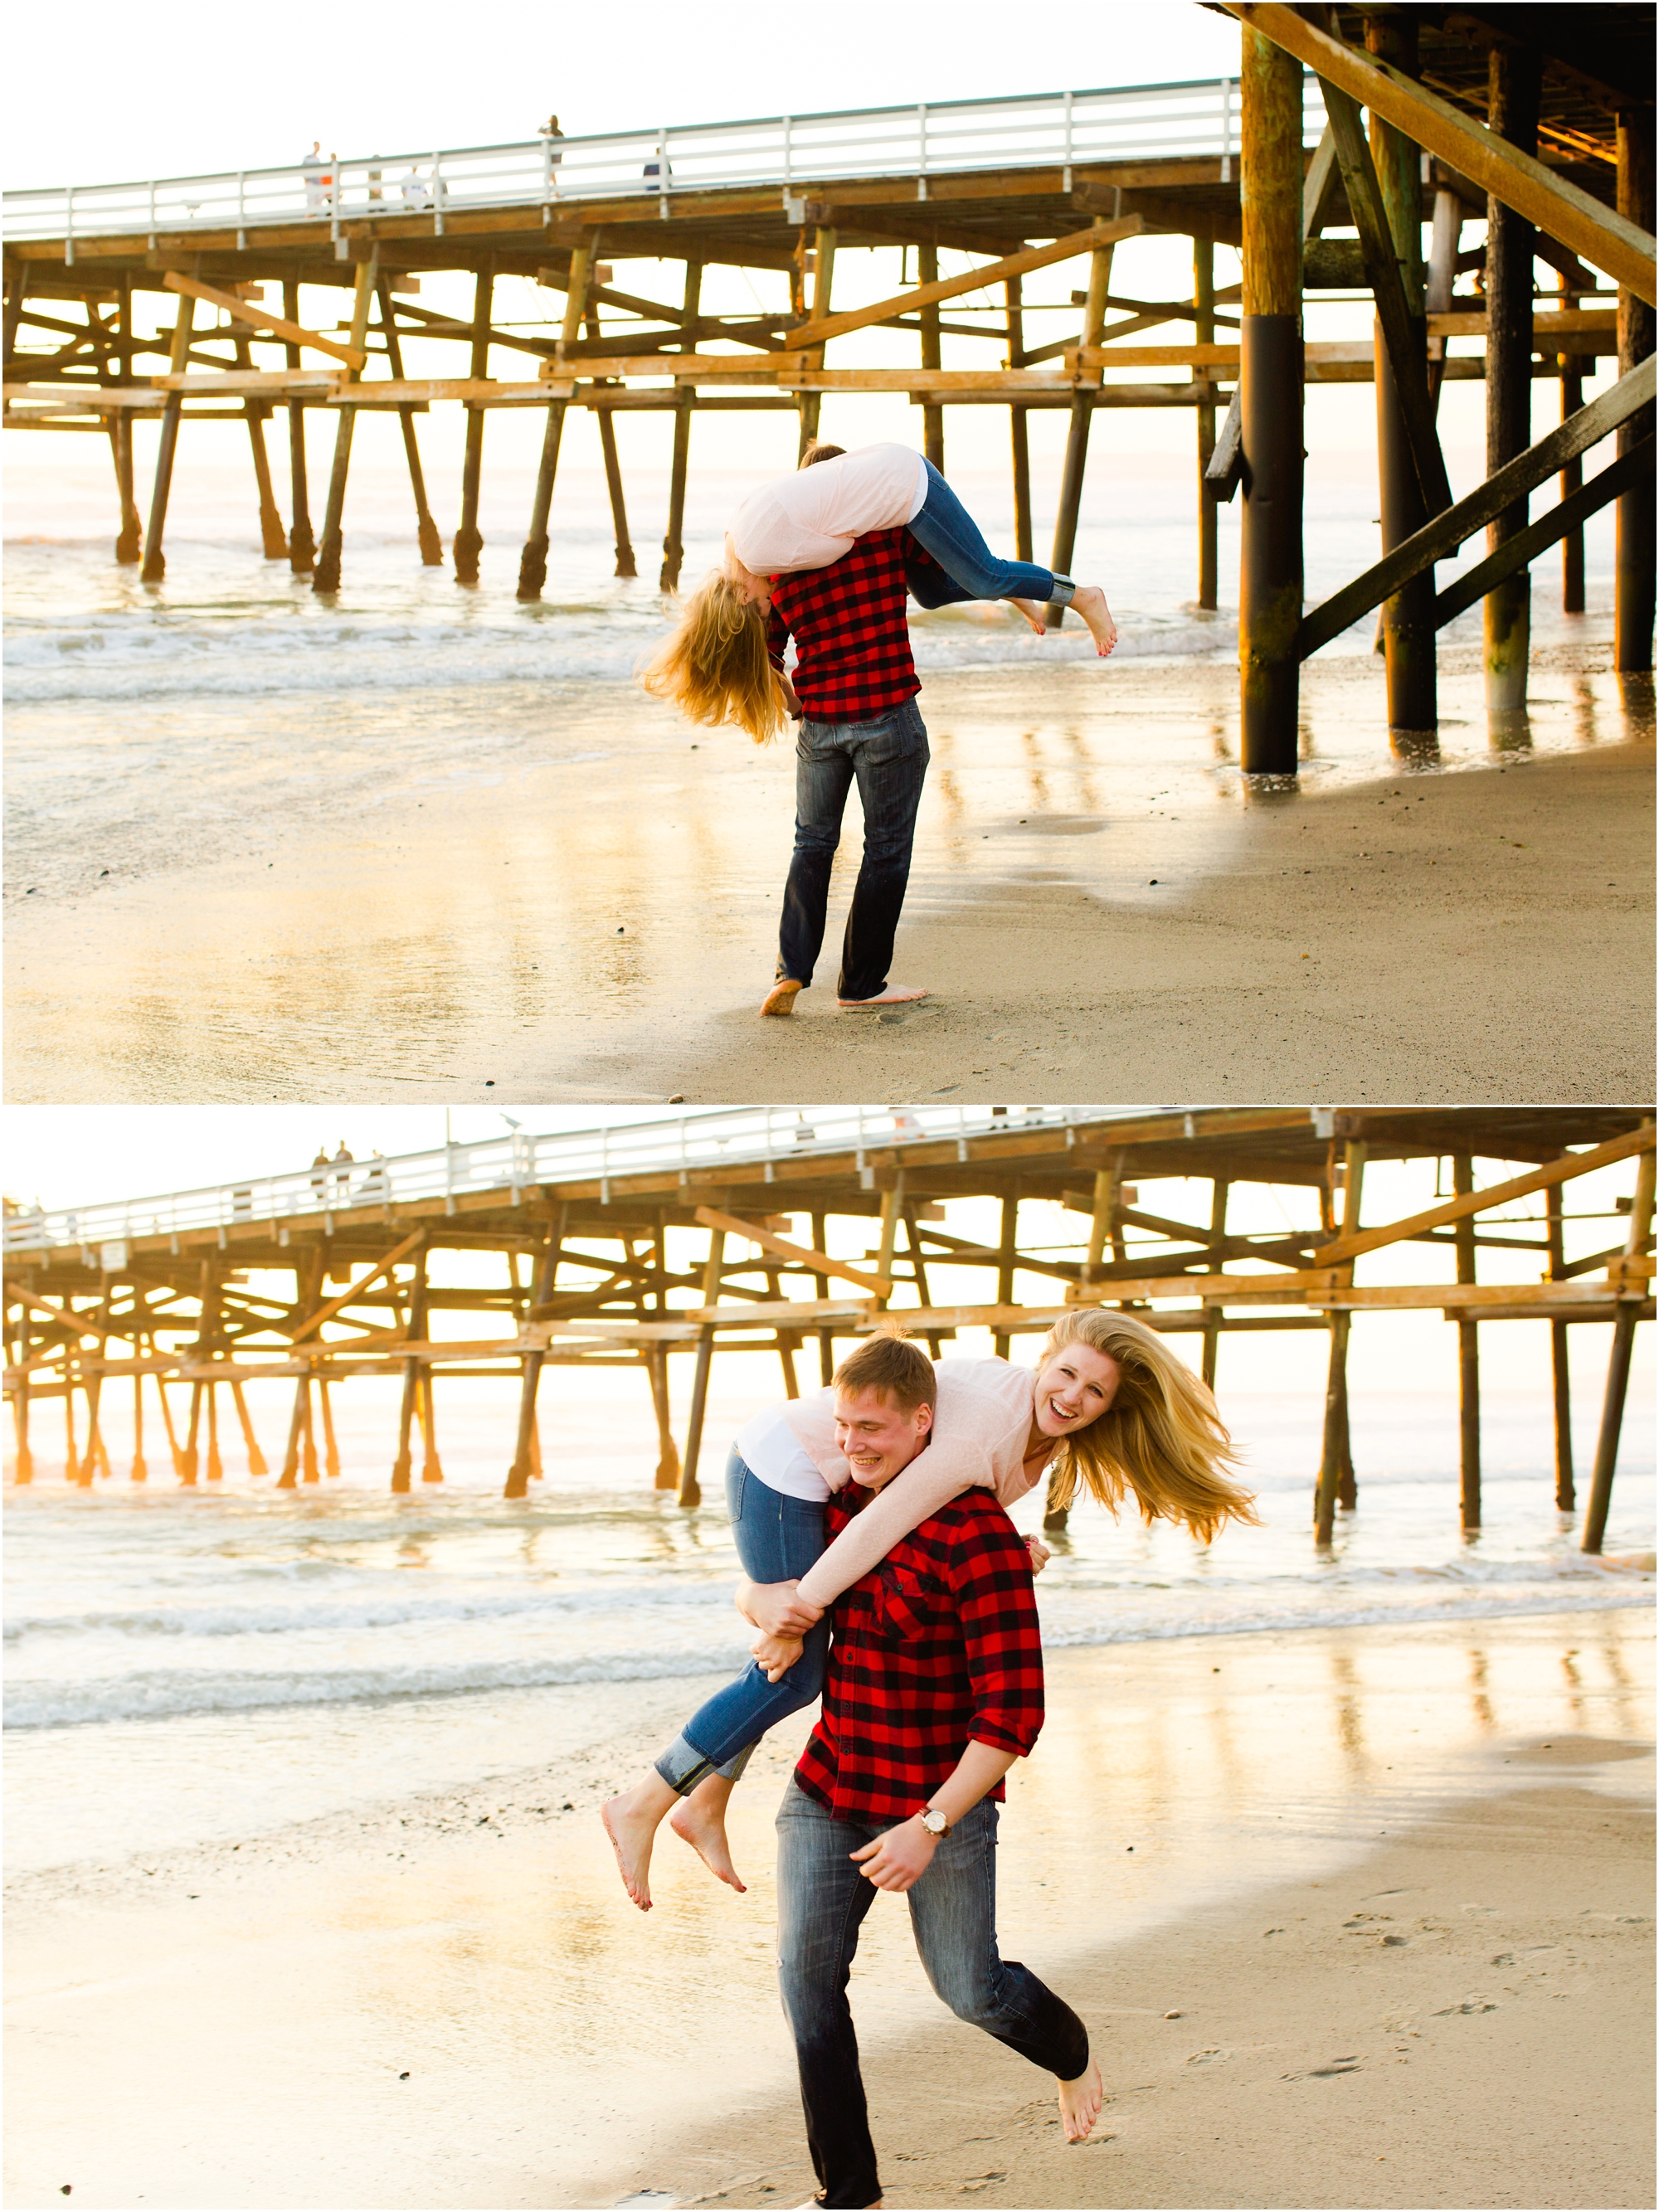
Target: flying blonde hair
(715, 667)
(1161, 1437)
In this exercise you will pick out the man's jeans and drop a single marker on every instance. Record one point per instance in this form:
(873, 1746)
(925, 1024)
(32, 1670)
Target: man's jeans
(888, 755)
(822, 1899)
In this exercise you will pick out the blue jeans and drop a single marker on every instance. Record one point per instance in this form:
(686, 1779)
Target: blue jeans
(971, 571)
(778, 1539)
(888, 755)
(822, 1899)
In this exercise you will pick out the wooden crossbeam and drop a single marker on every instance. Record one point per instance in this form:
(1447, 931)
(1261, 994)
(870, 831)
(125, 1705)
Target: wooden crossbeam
(350, 1297)
(1570, 514)
(1377, 250)
(1606, 241)
(810, 1262)
(65, 1316)
(1569, 1166)
(242, 311)
(1447, 532)
(824, 327)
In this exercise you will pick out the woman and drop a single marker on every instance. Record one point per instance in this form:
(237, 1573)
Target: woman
(1109, 1407)
(715, 669)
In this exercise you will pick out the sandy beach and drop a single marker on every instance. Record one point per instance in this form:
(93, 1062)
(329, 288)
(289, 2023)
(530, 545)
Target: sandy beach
(1099, 905)
(1358, 1916)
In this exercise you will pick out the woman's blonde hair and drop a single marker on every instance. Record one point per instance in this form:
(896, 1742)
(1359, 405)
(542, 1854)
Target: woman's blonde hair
(1161, 1437)
(715, 667)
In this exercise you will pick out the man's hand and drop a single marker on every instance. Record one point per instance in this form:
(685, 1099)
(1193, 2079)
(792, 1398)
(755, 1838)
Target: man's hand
(776, 1611)
(1040, 1553)
(776, 1653)
(899, 1856)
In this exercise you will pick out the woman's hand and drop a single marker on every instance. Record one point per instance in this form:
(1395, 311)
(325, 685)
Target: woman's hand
(790, 701)
(776, 1654)
(1040, 1553)
(899, 1856)
(777, 1611)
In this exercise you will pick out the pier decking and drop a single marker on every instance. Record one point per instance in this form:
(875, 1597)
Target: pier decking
(162, 1291)
(1537, 122)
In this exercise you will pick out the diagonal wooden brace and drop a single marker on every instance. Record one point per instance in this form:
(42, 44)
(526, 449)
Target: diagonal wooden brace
(257, 319)
(1521, 550)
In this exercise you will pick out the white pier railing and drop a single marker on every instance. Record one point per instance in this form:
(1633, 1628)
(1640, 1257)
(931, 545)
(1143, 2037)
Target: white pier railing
(725, 1137)
(796, 154)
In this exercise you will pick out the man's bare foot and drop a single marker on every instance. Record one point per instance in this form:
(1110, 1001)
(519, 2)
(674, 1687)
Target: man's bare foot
(706, 1833)
(780, 998)
(896, 994)
(1080, 2104)
(631, 1831)
(1089, 601)
(1033, 613)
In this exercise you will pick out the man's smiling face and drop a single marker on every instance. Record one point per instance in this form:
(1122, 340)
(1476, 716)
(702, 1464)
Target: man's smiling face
(878, 1436)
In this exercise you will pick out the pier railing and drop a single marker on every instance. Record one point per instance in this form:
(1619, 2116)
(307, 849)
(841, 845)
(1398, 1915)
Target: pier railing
(1193, 119)
(693, 1141)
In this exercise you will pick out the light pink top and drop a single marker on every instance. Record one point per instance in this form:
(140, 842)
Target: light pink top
(980, 1427)
(811, 519)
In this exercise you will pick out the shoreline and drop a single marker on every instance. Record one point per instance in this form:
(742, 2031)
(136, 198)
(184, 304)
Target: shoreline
(255, 2013)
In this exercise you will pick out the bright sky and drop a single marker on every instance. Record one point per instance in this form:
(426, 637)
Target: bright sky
(229, 88)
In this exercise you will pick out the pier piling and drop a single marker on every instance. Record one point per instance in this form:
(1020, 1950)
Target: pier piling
(1468, 1358)
(154, 565)
(1204, 418)
(673, 549)
(426, 530)
(932, 417)
(613, 480)
(1077, 431)
(302, 545)
(468, 544)
(1634, 614)
(1560, 1371)
(140, 1472)
(1636, 1240)
(1514, 81)
(327, 576)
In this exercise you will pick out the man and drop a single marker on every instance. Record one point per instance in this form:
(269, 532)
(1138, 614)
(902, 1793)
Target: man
(934, 1688)
(854, 687)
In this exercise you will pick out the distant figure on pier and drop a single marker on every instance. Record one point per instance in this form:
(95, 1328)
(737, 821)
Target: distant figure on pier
(376, 1182)
(551, 133)
(319, 1174)
(416, 193)
(343, 1164)
(320, 178)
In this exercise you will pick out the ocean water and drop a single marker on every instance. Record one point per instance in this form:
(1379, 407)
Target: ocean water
(185, 1666)
(156, 729)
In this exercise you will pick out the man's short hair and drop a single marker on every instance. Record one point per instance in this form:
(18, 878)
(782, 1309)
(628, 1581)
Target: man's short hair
(894, 1369)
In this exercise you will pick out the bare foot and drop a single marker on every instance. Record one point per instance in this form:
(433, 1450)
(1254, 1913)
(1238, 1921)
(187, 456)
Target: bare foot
(1034, 614)
(780, 998)
(631, 1831)
(896, 994)
(1089, 601)
(1080, 2104)
(706, 1833)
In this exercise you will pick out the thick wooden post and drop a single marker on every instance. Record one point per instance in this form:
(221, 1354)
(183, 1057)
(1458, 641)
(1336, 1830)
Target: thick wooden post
(94, 1456)
(518, 1476)
(401, 1466)
(289, 1476)
(20, 1404)
(174, 1448)
(532, 561)
(327, 576)
(302, 545)
(1204, 415)
(1513, 82)
(1624, 1337)
(689, 1491)
(685, 400)
(1560, 1373)
(1633, 608)
(668, 1452)
(192, 1453)
(1019, 442)
(331, 1448)
(933, 414)
(1335, 1458)
(432, 1468)
(155, 566)
(1217, 1253)
(1469, 1358)
(273, 538)
(1007, 1251)
(129, 544)
(72, 1458)
(607, 421)
(810, 406)
(216, 1465)
(426, 530)
(1409, 631)
(1270, 406)
(1077, 433)
(256, 1458)
(468, 543)
(140, 1472)
(826, 1336)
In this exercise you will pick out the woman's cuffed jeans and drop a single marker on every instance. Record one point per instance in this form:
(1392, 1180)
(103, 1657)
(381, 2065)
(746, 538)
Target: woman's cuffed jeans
(823, 1898)
(778, 1539)
(944, 528)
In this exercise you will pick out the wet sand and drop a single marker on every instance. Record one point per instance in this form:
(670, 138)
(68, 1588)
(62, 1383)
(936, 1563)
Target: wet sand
(1099, 905)
(1358, 1916)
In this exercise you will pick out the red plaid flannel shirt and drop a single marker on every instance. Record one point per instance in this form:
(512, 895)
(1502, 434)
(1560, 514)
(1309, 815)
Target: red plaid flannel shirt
(936, 1647)
(851, 630)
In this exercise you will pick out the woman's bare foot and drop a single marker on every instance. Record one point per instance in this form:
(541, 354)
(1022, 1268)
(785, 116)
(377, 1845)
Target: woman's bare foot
(780, 998)
(1089, 601)
(631, 1822)
(1034, 614)
(703, 1826)
(896, 994)
(1080, 2104)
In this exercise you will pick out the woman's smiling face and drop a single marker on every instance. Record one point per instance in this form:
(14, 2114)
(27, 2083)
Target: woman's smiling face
(1073, 1388)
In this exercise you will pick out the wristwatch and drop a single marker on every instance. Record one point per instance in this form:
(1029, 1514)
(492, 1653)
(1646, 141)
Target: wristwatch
(935, 1822)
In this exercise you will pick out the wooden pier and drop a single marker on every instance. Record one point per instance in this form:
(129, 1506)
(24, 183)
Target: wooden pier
(338, 1272)
(1538, 122)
